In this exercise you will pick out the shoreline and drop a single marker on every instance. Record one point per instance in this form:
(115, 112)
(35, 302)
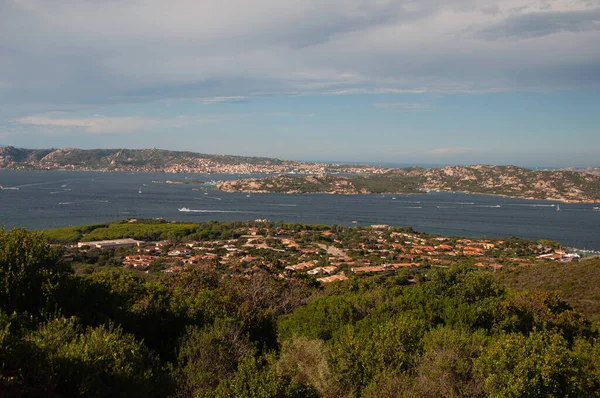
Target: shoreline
(404, 193)
(267, 175)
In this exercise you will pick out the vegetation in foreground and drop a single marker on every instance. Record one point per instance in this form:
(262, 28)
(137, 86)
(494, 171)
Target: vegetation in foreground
(208, 333)
(578, 282)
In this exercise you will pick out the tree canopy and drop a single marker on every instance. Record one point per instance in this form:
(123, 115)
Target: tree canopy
(455, 332)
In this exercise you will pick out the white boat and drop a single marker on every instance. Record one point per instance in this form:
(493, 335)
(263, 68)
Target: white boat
(393, 198)
(558, 207)
(140, 190)
(184, 209)
(596, 207)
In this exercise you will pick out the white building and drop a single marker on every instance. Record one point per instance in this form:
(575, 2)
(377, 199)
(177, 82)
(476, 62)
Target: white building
(111, 244)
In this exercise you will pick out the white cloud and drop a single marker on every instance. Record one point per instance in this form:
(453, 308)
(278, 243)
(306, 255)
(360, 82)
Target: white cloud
(219, 100)
(99, 124)
(84, 51)
(91, 125)
(405, 106)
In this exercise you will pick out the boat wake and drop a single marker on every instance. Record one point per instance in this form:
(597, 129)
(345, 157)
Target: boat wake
(529, 205)
(186, 210)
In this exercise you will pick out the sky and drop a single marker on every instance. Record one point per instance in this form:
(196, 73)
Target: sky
(406, 81)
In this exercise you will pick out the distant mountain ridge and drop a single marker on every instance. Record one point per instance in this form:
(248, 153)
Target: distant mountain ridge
(155, 160)
(560, 185)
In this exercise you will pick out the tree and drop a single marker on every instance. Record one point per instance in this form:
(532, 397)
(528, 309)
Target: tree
(538, 365)
(32, 276)
(306, 361)
(446, 368)
(207, 355)
(61, 358)
(255, 378)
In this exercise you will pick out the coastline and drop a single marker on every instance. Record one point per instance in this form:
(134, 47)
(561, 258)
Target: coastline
(296, 192)
(259, 191)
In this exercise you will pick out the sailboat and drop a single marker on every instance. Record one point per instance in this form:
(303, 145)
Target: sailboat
(140, 190)
(558, 207)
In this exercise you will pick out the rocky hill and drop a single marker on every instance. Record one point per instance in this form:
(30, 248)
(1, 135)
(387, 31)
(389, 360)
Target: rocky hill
(560, 185)
(155, 160)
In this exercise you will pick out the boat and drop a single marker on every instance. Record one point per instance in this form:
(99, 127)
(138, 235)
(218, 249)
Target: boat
(596, 207)
(248, 195)
(140, 190)
(393, 198)
(184, 209)
(558, 207)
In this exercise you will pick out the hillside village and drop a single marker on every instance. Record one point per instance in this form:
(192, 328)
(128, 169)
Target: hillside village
(158, 160)
(326, 253)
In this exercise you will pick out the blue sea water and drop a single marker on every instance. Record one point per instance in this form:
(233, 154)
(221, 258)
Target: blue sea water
(49, 199)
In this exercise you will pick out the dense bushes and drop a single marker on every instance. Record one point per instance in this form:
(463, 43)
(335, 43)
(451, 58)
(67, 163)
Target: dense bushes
(202, 333)
(458, 334)
(32, 279)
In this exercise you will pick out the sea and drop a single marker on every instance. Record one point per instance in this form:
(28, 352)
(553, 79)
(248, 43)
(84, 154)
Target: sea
(49, 199)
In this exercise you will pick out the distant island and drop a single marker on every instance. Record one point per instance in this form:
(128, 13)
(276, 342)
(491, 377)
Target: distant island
(160, 160)
(559, 185)
(567, 185)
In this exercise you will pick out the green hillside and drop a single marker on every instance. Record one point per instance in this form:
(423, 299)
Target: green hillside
(577, 282)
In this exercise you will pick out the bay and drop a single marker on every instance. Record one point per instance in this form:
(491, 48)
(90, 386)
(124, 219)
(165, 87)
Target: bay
(50, 199)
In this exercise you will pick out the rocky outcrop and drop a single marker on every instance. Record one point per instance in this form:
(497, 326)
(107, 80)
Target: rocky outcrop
(558, 185)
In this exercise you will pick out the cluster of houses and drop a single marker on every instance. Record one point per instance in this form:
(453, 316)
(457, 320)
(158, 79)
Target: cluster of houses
(332, 256)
